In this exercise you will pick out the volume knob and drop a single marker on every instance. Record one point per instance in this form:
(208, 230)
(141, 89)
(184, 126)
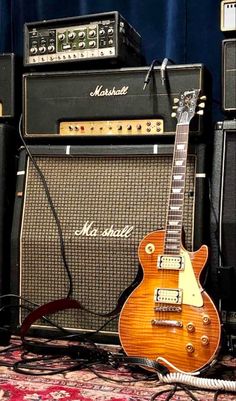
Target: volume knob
(51, 48)
(33, 50)
(42, 49)
(61, 37)
(71, 35)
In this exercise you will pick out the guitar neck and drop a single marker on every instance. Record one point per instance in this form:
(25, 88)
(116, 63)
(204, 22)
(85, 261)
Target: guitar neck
(174, 221)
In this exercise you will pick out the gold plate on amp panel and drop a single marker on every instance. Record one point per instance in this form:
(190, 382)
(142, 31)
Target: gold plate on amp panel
(112, 127)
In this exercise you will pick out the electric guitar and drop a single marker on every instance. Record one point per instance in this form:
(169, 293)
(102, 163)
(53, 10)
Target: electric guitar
(169, 317)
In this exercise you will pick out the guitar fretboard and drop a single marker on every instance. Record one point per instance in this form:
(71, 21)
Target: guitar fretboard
(174, 221)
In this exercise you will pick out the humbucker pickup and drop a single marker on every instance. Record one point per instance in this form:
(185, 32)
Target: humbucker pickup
(168, 295)
(167, 262)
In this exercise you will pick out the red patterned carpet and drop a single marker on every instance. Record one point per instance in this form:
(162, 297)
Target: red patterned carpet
(97, 382)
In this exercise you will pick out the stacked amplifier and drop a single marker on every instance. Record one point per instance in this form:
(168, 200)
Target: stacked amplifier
(7, 163)
(228, 26)
(223, 190)
(104, 147)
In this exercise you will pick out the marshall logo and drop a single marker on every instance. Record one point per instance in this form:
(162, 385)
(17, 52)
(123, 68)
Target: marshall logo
(100, 91)
(89, 230)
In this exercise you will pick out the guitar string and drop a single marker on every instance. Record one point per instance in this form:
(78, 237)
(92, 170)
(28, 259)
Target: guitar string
(182, 134)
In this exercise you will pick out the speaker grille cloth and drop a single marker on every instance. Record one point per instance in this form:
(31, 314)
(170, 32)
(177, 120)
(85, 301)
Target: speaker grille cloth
(110, 193)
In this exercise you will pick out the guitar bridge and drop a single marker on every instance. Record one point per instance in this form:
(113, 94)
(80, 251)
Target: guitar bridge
(168, 308)
(162, 322)
(168, 295)
(167, 262)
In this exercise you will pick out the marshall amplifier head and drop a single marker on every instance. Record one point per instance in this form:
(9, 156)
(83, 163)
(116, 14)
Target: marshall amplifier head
(105, 37)
(108, 103)
(229, 75)
(7, 86)
(107, 199)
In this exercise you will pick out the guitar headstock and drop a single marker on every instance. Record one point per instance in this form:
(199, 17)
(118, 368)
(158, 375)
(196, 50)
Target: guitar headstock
(186, 105)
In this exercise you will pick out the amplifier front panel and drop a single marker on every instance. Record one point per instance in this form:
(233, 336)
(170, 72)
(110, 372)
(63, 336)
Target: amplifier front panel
(106, 205)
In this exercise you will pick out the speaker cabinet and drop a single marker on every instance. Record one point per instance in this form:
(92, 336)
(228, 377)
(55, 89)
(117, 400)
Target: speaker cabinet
(7, 86)
(7, 185)
(229, 75)
(223, 220)
(107, 198)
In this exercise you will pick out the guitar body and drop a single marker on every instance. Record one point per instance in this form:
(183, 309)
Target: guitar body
(184, 330)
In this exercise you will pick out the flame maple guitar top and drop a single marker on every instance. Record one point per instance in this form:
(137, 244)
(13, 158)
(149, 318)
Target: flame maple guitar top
(185, 332)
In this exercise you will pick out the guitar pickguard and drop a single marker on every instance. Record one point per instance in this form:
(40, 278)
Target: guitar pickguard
(189, 284)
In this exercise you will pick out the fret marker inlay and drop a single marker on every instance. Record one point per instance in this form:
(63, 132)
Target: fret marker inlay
(181, 147)
(176, 190)
(179, 162)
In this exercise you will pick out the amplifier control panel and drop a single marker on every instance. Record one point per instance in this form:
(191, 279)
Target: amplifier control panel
(94, 37)
(114, 127)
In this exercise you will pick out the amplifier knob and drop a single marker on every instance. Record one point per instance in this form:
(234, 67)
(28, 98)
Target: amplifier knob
(33, 50)
(42, 49)
(110, 42)
(102, 32)
(81, 45)
(110, 31)
(71, 35)
(61, 37)
(81, 34)
(51, 48)
(92, 33)
(119, 127)
(139, 126)
(129, 127)
(92, 43)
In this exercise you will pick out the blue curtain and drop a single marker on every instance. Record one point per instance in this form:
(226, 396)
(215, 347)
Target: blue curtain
(185, 31)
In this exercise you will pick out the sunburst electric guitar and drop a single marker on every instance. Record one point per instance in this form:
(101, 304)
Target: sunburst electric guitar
(169, 317)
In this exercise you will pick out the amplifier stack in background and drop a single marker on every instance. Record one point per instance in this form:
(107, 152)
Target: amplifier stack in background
(223, 189)
(8, 116)
(104, 146)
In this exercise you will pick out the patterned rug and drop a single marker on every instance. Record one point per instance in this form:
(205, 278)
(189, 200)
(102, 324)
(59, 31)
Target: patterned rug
(96, 382)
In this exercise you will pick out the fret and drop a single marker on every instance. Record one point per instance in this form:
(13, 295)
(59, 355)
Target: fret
(175, 214)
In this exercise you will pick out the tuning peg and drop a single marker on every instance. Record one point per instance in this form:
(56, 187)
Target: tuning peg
(202, 105)
(200, 112)
(174, 107)
(176, 100)
(173, 114)
(203, 98)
